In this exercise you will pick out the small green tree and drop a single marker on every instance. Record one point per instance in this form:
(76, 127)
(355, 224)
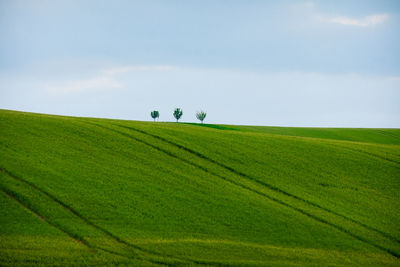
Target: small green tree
(155, 114)
(178, 114)
(201, 115)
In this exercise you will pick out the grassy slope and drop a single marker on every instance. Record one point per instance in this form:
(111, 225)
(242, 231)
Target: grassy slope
(79, 190)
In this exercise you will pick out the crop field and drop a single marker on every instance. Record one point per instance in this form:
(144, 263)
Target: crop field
(87, 191)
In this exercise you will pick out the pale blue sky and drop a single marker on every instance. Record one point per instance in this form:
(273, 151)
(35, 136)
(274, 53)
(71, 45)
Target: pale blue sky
(288, 63)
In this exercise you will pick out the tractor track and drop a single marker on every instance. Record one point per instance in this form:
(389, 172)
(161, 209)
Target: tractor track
(15, 197)
(181, 260)
(271, 187)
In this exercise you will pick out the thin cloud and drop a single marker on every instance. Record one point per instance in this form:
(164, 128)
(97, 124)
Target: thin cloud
(367, 21)
(101, 82)
(106, 79)
(310, 10)
(134, 68)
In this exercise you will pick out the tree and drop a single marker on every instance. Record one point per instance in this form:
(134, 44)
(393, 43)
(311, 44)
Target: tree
(155, 114)
(178, 114)
(201, 115)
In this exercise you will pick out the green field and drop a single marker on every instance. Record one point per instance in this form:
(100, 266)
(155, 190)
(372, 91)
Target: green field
(85, 191)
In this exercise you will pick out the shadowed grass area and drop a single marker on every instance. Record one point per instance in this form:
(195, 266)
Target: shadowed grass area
(379, 136)
(214, 126)
(128, 192)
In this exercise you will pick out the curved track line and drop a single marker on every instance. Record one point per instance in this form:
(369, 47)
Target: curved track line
(373, 155)
(272, 187)
(108, 233)
(393, 253)
(14, 196)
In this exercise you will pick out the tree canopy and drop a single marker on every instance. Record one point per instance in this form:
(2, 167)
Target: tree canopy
(201, 115)
(155, 114)
(178, 114)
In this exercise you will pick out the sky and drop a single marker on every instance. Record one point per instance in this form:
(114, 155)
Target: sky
(250, 62)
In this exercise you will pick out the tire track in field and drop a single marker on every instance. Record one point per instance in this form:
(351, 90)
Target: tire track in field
(76, 237)
(271, 187)
(15, 197)
(373, 155)
(104, 231)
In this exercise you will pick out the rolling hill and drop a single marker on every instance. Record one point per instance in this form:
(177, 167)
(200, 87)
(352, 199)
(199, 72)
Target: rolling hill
(87, 191)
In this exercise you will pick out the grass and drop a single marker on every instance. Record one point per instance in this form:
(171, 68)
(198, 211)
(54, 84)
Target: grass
(85, 191)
